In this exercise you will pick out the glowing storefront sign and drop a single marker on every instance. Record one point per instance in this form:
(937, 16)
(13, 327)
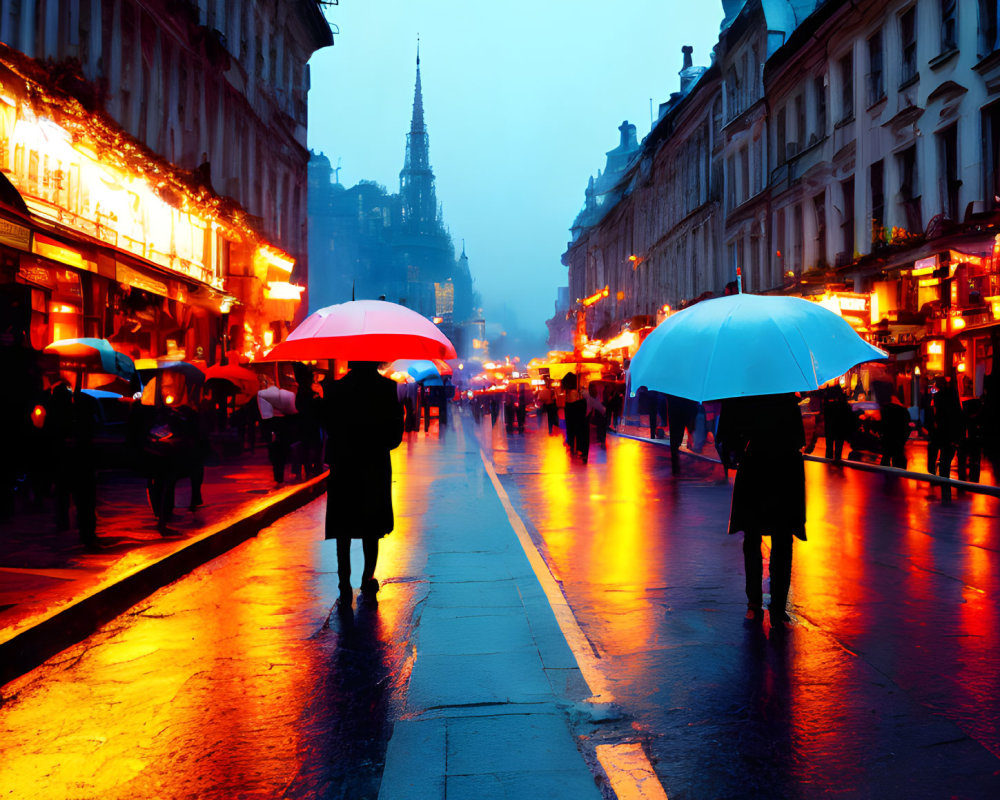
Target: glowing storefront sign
(14, 235)
(51, 249)
(282, 290)
(66, 182)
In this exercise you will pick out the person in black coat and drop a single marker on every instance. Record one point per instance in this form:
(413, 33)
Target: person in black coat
(681, 414)
(838, 421)
(309, 455)
(364, 422)
(71, 419)
(769, 493)
(894, 430)
(946, 430)
(970, 450)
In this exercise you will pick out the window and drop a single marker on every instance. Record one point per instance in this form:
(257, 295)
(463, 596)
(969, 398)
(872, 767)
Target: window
(949, 40)
(717, 123)
(876, 86)
(876, 177)
(846, 87)
(731, 182)
(908, 44)
(733, 95)
(779, 237)
(819, 208)
(988, 28)
(819, 90)
(909, 190)
(798, 237)
(991, 160)
(745, 190)
(799, 104)
(847, 220)
(781, 136)
(948, 166)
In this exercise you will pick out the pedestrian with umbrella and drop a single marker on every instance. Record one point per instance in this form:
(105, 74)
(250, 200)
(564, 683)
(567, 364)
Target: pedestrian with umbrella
(769, 492)
(754, 353)
(364, 423)
(363, 418)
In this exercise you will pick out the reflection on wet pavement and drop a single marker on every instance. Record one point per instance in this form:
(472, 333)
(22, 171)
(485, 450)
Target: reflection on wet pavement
(238, 681)
(887, 684)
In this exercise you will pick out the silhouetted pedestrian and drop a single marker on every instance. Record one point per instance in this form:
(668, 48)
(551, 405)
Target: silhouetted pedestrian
(71, 417)
(522, 406)
(894, 430)
(681, 414)
(276, 407)
(946, 430)
(308, 458)
(364, 422)
(838, 422)
(575, 411)
(769, 493)
(597, 414)
(547, 400)
(970, 449)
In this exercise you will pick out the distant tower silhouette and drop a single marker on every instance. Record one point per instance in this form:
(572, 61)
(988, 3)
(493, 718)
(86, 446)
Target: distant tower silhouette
(416, 180)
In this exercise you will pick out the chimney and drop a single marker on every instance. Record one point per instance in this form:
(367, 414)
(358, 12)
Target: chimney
(689, 74)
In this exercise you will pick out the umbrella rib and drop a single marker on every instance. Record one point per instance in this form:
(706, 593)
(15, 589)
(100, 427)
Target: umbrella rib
(711, 358)
(795, 361)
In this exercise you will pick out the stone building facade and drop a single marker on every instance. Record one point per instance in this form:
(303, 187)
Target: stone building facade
(156, 169)
(840, 151)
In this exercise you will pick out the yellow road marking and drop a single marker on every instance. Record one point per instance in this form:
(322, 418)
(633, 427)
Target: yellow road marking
(628, 769)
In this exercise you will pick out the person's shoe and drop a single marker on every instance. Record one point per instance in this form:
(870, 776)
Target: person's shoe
(346, 597)
(779, 616)
(369, 589)
(754, 614)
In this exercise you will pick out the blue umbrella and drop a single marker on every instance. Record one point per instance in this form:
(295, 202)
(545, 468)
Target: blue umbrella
(748, 344)
(92, 355)
(423, 370)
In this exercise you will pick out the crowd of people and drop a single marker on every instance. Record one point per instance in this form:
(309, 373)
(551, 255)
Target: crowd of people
(587, 412)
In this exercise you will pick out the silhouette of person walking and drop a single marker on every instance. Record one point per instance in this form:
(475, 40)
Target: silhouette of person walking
(769, 493)
(364, 422)
(72, 420)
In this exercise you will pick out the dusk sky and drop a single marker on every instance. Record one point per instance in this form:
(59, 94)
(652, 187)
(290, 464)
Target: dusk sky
(521, 101)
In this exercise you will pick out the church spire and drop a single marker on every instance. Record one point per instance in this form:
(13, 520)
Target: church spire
(416, 180)
(417, 123)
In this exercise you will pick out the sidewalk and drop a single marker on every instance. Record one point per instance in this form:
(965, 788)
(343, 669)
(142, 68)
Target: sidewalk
(53, 593)
(495, 706)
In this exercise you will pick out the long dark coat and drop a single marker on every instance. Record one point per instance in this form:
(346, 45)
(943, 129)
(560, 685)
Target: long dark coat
(769, 493)
(364, 422)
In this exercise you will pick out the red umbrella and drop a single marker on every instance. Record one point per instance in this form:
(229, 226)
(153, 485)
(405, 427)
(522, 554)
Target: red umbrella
(243, 379)
(363, 330)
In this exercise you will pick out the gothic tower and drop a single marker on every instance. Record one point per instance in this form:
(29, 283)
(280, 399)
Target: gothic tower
(416, 180)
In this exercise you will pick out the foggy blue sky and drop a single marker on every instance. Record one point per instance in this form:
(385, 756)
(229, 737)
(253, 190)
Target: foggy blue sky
(521, 101)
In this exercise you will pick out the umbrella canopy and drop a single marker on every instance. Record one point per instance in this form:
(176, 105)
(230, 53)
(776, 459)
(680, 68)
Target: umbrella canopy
(276, 402)
(363, 330)
(169, 382)
(748, 344)
(243, 379)
(422, 369)
(92, 355)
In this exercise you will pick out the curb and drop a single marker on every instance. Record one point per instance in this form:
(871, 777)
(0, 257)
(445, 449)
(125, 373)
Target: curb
(937, 480)
(72, 624)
